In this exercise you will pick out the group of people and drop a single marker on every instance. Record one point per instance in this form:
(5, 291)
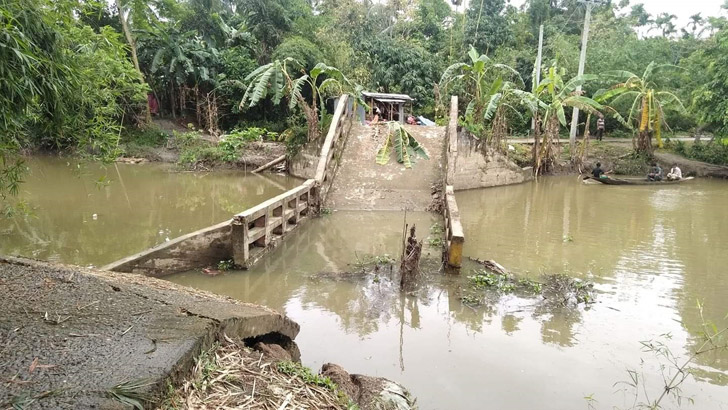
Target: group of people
(377, 117)
(655, 173)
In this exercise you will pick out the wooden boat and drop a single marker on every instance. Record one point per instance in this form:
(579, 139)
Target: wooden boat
(633, 181)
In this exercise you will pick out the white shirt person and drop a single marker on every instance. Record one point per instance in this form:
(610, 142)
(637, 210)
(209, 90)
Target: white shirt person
(675, 173)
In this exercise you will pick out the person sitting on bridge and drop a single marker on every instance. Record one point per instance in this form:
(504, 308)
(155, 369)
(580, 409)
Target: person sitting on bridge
(655, 173)
(598, 172)
(675, 173)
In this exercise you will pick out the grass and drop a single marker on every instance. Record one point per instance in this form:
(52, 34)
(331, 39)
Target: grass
(556, 289)
(131, 393)
(229, 375)
(373, 260)
(713, 152)
(435, 239)
(305, 374)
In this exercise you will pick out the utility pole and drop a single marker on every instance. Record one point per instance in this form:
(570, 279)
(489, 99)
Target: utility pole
(582, 60)
(538, 72)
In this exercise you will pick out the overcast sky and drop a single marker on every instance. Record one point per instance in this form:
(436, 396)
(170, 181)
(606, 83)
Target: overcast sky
(683, 9)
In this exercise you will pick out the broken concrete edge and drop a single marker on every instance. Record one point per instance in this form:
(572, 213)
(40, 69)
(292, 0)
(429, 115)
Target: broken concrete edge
(245, 320)
(204, 318)
(201, 248)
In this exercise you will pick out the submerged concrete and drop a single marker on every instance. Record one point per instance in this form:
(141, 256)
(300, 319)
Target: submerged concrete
(202, 248)
(68, 335)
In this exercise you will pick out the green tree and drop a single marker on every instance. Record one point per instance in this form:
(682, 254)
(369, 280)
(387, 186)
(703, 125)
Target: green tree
(483, 82)
(276, 80)
(486, 27)
(34, 74)
(647, 102)
(709, 99)
(554, 95)
(400, 67)
(640, 16)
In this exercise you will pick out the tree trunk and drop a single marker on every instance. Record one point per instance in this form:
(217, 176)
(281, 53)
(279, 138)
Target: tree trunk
(134, 58)
(410, 264)
(644, 143)
(172, 100)
(312, 119)
(536, 136)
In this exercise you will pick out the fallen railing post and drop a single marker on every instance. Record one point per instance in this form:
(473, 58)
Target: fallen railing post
(453, 229)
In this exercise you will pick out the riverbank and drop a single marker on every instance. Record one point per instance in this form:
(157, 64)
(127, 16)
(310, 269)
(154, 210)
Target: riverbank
(169, 141)
(81, 338)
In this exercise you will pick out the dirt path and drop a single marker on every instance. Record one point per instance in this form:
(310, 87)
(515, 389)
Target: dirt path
(362, 184)
(692, 167)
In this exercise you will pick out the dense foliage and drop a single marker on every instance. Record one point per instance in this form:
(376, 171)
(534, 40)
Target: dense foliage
(76, 72)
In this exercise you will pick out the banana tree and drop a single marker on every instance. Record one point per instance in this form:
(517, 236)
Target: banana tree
(508, 99)
(554, 96)
(276, 80)
(648, 103)
(483, 82)
(405, 146)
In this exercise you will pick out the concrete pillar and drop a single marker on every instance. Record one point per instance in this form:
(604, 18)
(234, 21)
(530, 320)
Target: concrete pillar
(401, 113)
(239, 233)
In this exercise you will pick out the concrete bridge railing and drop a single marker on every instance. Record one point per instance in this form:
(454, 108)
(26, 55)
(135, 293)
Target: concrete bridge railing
(248, 235)
(257, 229)
(260, 228)
(454, 235)
(333, 145)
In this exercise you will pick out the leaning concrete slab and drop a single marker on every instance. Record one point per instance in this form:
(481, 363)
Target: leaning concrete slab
(204, 247)
(68, 334)
(362, 184)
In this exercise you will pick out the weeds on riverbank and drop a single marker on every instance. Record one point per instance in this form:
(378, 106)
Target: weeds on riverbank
(558, 290)
(232, 376)
(712, 152)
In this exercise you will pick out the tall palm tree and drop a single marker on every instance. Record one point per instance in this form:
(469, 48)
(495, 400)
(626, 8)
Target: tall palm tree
(664, 22)
(646, 112)
(696, 21)
(140, 11)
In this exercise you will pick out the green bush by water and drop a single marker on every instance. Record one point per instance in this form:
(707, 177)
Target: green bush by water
(713, 152)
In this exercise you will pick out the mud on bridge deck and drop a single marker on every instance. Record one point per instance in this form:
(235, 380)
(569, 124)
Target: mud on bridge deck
(362, 184)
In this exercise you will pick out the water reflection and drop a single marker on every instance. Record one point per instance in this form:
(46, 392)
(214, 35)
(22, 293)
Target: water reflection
(651, 260)
(93, 214)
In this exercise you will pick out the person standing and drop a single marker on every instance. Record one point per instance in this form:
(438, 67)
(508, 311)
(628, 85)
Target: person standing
(600, 127)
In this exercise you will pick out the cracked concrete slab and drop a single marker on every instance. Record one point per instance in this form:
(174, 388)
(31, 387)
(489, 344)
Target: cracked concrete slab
(69, 334)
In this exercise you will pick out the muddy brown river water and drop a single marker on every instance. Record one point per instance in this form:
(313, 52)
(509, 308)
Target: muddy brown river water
(652, 252)
(92, 214)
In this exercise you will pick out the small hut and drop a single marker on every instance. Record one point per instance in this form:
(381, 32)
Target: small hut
(391, 105)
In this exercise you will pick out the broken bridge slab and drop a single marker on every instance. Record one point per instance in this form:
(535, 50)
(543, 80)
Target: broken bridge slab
(362, 184)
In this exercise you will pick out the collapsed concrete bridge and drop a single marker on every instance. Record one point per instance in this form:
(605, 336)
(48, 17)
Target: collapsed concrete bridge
(340, 173)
